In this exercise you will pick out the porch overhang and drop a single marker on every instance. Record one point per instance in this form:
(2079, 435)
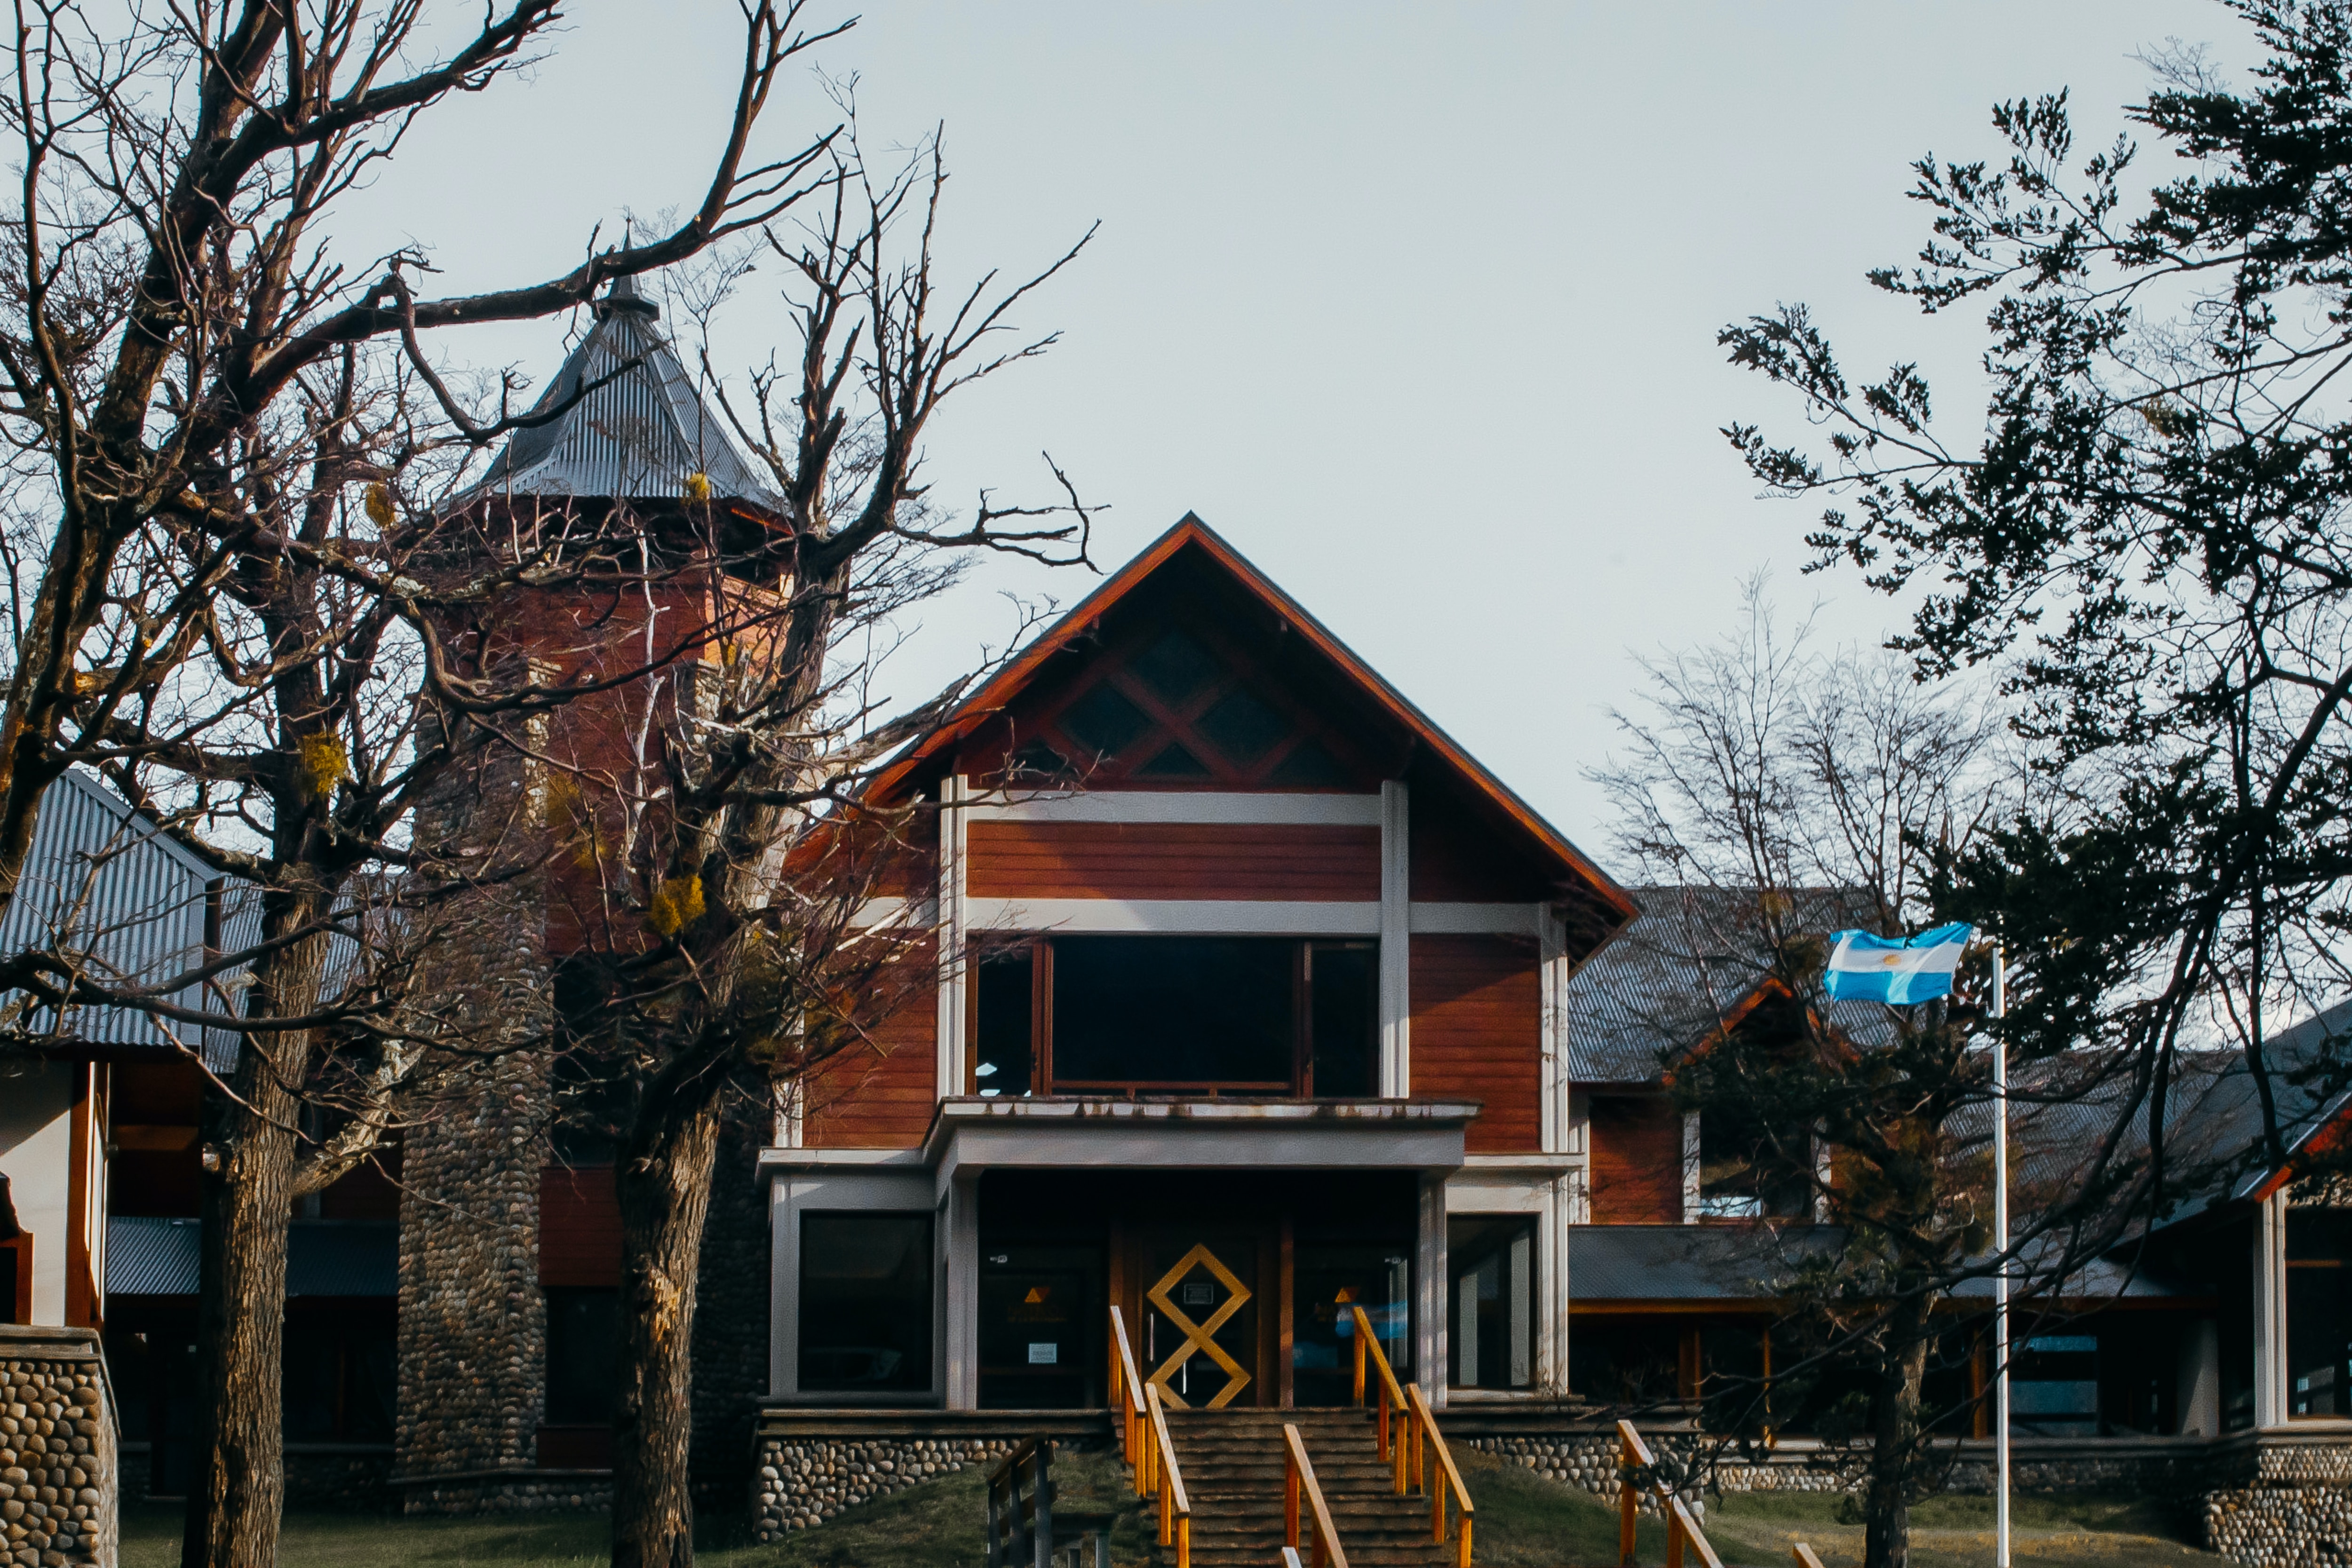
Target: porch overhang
(969, 1135)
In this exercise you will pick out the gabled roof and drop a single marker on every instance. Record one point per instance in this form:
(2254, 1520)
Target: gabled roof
(1191, 536)
(640, 436)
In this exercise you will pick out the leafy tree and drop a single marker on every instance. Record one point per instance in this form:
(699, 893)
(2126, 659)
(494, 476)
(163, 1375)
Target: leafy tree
(2146, 536)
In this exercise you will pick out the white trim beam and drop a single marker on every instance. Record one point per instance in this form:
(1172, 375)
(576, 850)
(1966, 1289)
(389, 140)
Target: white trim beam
(1395, 930)
(1176, 916)
(954, 916)
(1184, 806)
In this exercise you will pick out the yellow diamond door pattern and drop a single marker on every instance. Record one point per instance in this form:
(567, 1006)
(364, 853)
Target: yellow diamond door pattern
(1199, 1336)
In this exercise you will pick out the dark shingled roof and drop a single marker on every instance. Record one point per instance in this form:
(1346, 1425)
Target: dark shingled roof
(1672, 1263)
(1693, 957)
(641, 436)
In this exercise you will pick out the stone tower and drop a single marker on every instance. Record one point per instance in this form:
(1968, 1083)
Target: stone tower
(491, 1220)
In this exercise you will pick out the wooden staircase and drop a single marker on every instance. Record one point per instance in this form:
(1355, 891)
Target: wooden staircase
(1233, 1466)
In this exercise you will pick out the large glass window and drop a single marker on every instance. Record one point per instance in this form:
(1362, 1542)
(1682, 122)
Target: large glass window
(1175, 1012)
(866, 1303)
(1491, 1263)
(1179, 1015)
(2318, 1313)
(2054, 1386)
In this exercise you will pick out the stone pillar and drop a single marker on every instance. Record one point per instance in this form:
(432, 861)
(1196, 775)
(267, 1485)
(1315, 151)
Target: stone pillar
(730, 1316)
(473, 1319)
(60, 1473)
(472, 1338)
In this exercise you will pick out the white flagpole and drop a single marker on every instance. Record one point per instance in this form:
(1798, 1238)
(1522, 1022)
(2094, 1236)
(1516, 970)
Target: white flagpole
(2001, 1278)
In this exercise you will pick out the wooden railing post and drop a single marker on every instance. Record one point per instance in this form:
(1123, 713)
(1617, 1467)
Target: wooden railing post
(1289, 1498)
(1629, 1501)
(1299, 1488)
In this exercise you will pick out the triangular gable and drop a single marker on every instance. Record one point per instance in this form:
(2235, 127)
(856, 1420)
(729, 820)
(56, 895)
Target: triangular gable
(1598, 905)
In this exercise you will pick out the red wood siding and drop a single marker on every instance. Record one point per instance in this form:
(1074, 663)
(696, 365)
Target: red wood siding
(881, 1097)
(579, 1226)
(1455, 857)
(1637, 1160)
(1173, 859)
(1477, 1022)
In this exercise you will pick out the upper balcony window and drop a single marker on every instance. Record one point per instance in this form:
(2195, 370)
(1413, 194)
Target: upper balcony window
(1176, 1015)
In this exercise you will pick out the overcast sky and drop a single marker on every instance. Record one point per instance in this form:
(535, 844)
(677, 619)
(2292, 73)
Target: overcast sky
(1416, 304)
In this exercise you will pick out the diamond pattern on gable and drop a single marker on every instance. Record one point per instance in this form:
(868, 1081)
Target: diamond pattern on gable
(1243, 728)
(1105, 721)
(1175, 668)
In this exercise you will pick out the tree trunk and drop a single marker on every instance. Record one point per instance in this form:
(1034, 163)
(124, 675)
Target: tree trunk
(664, 1185)
(239, 1487)
(1893, 1430)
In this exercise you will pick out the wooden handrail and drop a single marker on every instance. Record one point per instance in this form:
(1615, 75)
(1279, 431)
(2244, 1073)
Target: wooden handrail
(1425, 1426)
(1298, 1477)
(1804, 1556)
(1175, 1508)
(1127, 1399)
(1406, 1442)
(1391, 1397)
(1682, 1529)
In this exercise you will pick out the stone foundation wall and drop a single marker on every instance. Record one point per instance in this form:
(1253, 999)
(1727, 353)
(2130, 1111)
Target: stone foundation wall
(61, 1469)
(805, 1481)
(522, 1492)
(809, 1464)
(2281, 1527)
(353, 1477)
(1587, 1460)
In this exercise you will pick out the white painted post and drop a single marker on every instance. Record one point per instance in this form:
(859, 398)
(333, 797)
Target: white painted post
(1551, 930)
(1690, 1193)
(2269, 1312)
(955, 790)
(1430, 1304)
(960, 1384)
(1396, 940)
(2001, 1278)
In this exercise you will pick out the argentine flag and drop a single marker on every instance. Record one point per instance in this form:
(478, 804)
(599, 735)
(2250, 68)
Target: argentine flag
(1869, 968)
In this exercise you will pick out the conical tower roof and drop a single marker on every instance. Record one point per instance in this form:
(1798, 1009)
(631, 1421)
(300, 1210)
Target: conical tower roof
(640, 436)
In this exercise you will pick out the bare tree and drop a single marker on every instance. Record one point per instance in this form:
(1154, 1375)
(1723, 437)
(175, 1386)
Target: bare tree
(227, 455)
(740, 914)
(1778, 796)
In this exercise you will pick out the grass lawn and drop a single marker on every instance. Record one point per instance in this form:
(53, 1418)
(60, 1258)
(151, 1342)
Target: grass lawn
(1524, 1521)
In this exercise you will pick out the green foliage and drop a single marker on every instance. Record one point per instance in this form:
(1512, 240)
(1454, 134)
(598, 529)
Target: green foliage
(2150, 538)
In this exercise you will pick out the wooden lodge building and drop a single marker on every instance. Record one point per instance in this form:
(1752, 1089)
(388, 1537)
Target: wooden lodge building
(1258, 1001)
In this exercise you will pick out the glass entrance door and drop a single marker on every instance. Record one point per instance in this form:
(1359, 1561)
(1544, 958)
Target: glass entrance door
(1200, 1317)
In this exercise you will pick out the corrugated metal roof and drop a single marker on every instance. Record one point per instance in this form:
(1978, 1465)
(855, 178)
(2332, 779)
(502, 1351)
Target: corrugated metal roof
(104, 881)
(640, 436)
(157, 1257)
